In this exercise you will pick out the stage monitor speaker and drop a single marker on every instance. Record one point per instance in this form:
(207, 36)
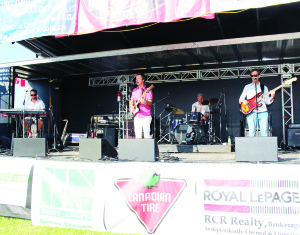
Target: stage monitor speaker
(140, 150)
(95, 149)
(293, 133)
(25, 147)
(256, 149)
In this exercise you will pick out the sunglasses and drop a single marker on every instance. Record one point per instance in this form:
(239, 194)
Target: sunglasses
(33, 94)
(254, 75)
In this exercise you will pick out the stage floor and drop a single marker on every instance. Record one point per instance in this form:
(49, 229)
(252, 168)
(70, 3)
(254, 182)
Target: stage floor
(71, 153)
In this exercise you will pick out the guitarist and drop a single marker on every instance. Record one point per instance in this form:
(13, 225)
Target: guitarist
(142, 119)
(261, 112)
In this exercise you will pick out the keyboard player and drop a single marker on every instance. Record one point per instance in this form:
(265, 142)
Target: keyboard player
(34, 104)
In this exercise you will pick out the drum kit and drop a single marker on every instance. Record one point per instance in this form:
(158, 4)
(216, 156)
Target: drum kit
(193, 129)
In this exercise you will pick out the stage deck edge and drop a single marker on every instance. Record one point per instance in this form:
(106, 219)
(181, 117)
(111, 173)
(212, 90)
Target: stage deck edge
(177, 148)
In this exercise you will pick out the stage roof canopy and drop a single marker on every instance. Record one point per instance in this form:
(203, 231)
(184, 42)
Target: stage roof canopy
(251, 37)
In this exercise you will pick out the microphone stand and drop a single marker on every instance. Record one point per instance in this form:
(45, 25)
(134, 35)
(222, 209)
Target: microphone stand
(226, 121)
(219, 106)
(154, 134)
(24, 115)
(256, 107)
(54, 132)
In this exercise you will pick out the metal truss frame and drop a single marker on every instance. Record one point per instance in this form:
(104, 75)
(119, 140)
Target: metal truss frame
(123, 111)
(283, 70)
(192, 75)
(287, 103)
(111, 81)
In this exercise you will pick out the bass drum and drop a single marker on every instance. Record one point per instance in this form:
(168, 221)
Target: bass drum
(188, 134)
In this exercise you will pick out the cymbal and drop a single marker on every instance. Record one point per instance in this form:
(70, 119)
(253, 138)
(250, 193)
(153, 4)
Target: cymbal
(210, 101)
(174, 110)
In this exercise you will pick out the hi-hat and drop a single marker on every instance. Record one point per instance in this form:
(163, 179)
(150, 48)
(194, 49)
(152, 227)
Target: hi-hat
(174, 110)
(210, 101)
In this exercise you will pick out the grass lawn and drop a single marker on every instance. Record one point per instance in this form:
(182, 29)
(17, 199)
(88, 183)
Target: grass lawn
(13, 226)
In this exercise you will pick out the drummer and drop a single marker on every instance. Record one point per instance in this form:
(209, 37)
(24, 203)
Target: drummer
(199, 107)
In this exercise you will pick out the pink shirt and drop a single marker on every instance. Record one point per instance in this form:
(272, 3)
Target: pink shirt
(145, 110)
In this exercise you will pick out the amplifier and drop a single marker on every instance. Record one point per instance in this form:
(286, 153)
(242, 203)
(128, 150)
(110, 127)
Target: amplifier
(131, 134)
(293, 133)
(294, 126)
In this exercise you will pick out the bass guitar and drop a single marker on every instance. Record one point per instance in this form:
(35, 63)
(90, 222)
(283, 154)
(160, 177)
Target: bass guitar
(136, 108)
(251, 103)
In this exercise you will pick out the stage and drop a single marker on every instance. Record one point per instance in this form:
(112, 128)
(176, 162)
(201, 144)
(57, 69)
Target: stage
(179, 193)
(168, 153)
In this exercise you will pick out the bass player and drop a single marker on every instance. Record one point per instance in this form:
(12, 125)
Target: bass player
(260, 113)
(142, 118)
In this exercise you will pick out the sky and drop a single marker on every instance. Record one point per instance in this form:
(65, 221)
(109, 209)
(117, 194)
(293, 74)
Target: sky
(14, 52)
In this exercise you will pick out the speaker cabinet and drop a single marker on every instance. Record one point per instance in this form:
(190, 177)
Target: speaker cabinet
(256, 149)
(24, 147)
(140, 150)
(110, 134)
(131, 133)
(293, 134)
(95, 149)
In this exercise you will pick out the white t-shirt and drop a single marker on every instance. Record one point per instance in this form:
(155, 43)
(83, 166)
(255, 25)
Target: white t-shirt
(203, 108)
(38, 105)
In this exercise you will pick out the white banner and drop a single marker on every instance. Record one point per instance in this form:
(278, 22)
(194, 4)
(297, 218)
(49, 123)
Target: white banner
(155, 198)
(14, 179)
(250, 199)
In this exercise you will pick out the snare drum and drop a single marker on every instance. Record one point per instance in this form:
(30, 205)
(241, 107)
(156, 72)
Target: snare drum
(176, 122)
(203, 122)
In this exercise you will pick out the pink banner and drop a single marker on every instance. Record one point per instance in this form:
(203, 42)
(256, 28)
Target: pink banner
(227, 208)
(105, 14)
(227, 183)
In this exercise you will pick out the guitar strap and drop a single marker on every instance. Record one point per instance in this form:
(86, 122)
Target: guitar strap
(142, 92)
(262, 88)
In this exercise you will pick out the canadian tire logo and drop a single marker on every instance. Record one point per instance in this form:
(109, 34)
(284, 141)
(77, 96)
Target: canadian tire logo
(152, 199)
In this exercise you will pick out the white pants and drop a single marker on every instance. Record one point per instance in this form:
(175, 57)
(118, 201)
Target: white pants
(141, 124)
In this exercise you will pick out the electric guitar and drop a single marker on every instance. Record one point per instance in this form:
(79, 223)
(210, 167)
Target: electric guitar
(136, 108)
(248, 108)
